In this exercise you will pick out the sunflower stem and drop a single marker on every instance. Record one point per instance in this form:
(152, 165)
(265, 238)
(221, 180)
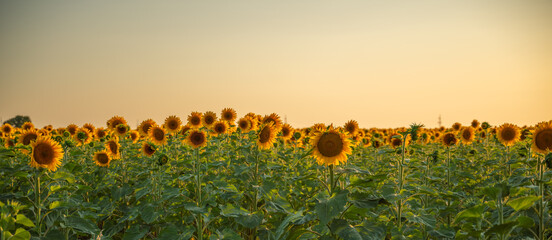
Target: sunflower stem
(330, 191)
(541, 203)
(199, 200)
(38, 204)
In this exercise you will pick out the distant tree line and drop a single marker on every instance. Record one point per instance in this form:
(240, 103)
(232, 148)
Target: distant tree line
(18, 120)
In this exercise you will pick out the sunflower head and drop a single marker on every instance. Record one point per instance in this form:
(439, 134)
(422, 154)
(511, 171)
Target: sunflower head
(172, 124)
(208, 119)
(351, 127)
(245, 124)
(121, 130)
(100, 133)
(194, 119)
(113, 148)
(266, 136)
(197, 139)
(456, 126)
(89, 127)
(113, 122)
(229, 115)
(475, 124)
(46, 153)
(102, 158)
(145, 126)
(330, 147)
(485, 125)
(220, 127)
(134, 136)
(27, 126)
(148, 149)
(449, 139)
(184, 130)
(7, 129)
(273, 119)
(158, 135)
(542, 138)
(72, 129)
(508, 134)
(467, 135)
(27, 136)
(286, 131)
(83, 136)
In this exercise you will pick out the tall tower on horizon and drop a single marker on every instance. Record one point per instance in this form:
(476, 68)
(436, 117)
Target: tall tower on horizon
(439, 121)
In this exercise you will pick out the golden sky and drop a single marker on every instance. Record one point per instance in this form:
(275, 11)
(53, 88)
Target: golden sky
(382, 63)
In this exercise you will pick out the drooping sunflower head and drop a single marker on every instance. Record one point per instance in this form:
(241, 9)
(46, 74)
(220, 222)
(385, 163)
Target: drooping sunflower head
(208, 119)
(273, 119)
(158, 135)
(27, 126)
(351, 127)
(46, 153)
(145, 126)
(467, 135)
(542, 138)
(266, 136)
(113, 148)
(508, 134)
(449, 139)
(220, 127)
(316, 128)
(172, 124)
(7, 129)
(134, 136)
(456, 126)
(330, 147)
(27, 136)
(72, 129)
(113, 122)
(286, 131)
(229, 115)
(102, 158)
(475, 124)
(89, 126)
(194, 119)
(148, 149)
(184, 130)
(197, 138)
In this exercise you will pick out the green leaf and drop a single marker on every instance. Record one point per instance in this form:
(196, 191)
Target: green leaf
(283, 225)
(135, 232)
(21, 219)
(83, 225)
(64, 175)
(523, 203)
(473, 212)
(372, 231)
(149, 214)
(327, 209)
(345, 230)
(21, 234)
(230, 211)
(251, 220)
(501, 228)
(525, 222)
(168, 233)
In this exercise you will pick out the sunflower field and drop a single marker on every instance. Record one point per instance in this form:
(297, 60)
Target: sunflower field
(220, 177)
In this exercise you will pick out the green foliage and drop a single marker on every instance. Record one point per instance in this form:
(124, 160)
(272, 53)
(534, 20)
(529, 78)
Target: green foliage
(18, 120)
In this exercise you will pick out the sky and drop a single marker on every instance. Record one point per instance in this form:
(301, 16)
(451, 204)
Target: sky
(381, 63)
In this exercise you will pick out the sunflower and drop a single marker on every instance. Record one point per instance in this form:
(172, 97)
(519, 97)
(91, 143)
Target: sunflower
(89, 126)
(475, 124)
(9, 142)
(245, 124)
(194, 120)
(330, 147)
(449, 139)
(229, 115)
(148, 149)
(113, 148)
(158, 135)
(197, 139)
(102, 158)
(208, 119)
(27, 136)
(46, 153)
(134, 136)
(318, 127)
(376, 143)
(508, 134)
(82, 136)
(286, 131)
(542, 138)
(467, 135)
(115, 121)
(351, 127)
(396, 141)
(172, 124)
(100, 133)
(27, 126)
(72, 129)
(144, 127)
(220, 127)
(266, 136)
(274, 119)
(184, 130)
(121, 130)
(366, 141)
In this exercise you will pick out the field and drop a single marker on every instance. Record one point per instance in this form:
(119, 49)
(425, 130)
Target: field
(257, 178)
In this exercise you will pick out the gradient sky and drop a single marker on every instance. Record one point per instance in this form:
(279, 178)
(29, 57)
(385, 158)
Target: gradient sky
(382, 63)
